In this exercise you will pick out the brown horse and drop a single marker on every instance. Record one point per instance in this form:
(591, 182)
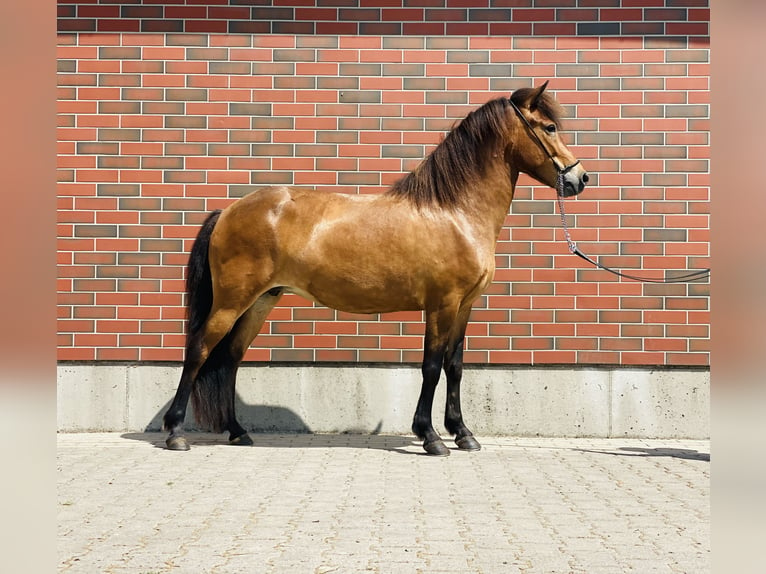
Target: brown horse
(426, 244)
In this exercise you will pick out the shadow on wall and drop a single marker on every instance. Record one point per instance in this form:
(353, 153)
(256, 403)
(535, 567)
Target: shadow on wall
(254, 418)
(287, 428)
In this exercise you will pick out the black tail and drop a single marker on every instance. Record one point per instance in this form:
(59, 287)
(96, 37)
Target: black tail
(213, 389)
(199, 283)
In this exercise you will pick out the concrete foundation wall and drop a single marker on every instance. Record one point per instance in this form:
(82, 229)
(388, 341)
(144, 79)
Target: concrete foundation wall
(532, 401)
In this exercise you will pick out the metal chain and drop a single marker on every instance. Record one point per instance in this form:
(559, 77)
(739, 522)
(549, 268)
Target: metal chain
(560, 198)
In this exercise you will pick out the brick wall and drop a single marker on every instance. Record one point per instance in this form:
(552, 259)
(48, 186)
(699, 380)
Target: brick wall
(169, 110)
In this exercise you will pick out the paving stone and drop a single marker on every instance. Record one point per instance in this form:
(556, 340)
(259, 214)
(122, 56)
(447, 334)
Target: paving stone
(322, 504)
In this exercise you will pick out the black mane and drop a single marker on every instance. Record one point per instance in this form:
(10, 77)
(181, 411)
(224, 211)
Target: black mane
(459, 160)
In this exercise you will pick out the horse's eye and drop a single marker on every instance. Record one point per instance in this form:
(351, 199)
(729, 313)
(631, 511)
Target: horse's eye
(551, 129)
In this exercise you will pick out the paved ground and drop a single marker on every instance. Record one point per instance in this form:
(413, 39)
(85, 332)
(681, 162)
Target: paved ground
(319, 504)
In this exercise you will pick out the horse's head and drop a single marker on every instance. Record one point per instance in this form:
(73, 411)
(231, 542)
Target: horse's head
(537, 148)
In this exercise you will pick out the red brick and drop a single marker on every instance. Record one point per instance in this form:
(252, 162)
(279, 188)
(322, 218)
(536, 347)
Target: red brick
(666, 345)
(401, 343)
(641, 358)
(532, 343)
(73, 354)
(380, 356)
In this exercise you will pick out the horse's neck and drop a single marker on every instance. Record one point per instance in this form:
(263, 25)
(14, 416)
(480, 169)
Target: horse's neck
(491, 199)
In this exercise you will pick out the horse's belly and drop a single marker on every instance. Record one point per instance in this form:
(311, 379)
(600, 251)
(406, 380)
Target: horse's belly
(353, 295)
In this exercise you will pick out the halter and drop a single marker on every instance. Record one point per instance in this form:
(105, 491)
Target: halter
(562, 171)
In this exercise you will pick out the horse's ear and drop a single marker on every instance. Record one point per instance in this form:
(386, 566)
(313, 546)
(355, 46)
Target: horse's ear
(530, 101)
(536, 94)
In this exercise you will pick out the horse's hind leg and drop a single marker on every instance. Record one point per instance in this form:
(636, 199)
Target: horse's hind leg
(209, 375)
(174, 416)
(213, 394)
(235, 346)
(176, 413)
(199, 346)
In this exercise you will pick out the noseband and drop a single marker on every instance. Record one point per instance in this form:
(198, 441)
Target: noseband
(562, 171)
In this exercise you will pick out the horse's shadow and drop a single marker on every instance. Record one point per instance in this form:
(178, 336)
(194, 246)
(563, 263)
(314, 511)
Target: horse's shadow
(278, 427)
(682, 453)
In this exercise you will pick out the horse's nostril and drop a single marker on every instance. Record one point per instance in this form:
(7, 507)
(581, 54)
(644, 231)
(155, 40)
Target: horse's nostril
(585, 178)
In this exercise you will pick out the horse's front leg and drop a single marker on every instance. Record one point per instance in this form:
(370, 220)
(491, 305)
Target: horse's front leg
(453, 415)
(422, 425)
(438, 326)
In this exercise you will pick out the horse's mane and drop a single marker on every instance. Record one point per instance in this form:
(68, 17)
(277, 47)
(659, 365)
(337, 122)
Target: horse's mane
(466, 152)
(460, 159)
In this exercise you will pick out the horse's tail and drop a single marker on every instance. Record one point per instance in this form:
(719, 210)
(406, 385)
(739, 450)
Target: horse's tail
(213, 389)
(199, 282)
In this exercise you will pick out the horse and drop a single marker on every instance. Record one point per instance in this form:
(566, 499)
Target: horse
(426, 244)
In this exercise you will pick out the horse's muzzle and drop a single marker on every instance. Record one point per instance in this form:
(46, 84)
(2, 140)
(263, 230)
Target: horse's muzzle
(575, 182)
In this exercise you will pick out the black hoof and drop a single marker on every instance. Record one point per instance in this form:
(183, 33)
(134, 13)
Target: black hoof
(241, 440)
(436, 448)
(468, 443)
(176, 443)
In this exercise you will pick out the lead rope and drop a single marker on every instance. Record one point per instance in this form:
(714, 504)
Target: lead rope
(573, 249)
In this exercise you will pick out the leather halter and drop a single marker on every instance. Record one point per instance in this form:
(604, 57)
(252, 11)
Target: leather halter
(561, 170)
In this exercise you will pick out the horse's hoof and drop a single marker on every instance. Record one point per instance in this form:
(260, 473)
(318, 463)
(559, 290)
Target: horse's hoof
(436, 448)
(176, 443)
(241, 440)
(468, 443)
